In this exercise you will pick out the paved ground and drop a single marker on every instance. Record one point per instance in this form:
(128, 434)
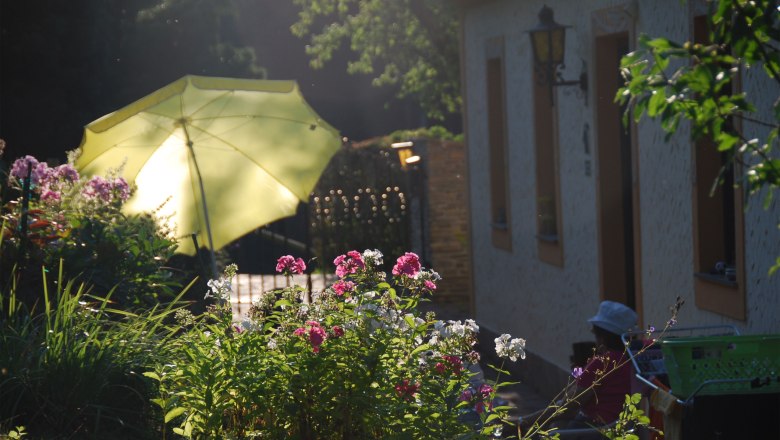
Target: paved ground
(249, 287)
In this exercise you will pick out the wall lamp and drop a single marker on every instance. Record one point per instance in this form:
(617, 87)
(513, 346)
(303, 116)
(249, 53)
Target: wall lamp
(548, 40)
(405, 153)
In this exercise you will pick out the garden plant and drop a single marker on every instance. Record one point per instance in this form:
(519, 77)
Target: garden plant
(89, 348)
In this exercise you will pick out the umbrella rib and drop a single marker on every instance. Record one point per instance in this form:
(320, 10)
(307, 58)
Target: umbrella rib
(238, 150)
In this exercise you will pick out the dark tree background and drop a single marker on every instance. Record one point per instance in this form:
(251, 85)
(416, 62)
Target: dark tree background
(64, 64)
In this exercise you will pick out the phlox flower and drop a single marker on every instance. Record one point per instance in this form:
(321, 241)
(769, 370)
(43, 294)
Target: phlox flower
(341, 287)
(289, 265)
(450, 363)
(50, 196)
(315, 333)
(510, 348)
(372, 257)
(349, 263)
(38, 170)
(65, 172)
(407, 265)
(337, 331)
(219, 289)
(430, 285)
(406, 390)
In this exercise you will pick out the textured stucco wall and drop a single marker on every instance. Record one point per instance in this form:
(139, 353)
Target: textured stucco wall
(548, 305)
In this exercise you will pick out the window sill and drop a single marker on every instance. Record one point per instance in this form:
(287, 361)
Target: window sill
(548, 238)
(716, 279)
(499, 226)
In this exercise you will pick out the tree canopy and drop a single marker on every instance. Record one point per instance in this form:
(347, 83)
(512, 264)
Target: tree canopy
(410, 44)
(697, 82)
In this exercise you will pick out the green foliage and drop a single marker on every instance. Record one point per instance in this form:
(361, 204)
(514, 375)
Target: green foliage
(630, 420)
(363, 364)
(69, 365)
(673, 82)
(410, 44)
(79, 222)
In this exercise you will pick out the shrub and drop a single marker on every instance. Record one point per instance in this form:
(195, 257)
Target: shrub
(354, 361)
(60, 215)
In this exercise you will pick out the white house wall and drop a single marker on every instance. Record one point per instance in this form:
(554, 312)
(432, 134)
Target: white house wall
(548, 305)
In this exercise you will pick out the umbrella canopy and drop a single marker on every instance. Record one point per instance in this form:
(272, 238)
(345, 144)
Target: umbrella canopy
(222, 156)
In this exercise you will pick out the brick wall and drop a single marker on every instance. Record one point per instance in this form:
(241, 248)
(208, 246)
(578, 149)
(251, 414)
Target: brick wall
(448, 219)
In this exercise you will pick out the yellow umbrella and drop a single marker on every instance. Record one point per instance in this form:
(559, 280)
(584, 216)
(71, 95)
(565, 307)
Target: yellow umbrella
(222, 156)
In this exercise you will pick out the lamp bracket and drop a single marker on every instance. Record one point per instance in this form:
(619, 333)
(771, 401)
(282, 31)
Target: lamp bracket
(552, 77)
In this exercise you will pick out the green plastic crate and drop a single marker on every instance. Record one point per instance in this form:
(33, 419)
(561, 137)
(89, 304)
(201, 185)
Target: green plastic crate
(692, 361)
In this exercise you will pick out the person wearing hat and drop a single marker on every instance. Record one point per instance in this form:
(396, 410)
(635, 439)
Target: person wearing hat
(597, 394)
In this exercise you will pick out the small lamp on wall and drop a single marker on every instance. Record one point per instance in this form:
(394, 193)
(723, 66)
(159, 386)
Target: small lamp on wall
(406, 155)
(548, 40)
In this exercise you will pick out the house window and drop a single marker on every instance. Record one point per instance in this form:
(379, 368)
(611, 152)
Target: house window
(548, 220)
(496, 116)
(717, 222)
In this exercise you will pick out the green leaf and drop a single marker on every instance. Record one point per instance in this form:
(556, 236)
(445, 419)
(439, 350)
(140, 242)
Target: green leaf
(657, 103)
(172, 414)
(153, 375)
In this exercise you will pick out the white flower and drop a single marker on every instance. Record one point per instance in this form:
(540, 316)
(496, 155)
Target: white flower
(220, 289)
(510, 348)
(272, 344)
(472, 326)
(456, 328)
(373, 256)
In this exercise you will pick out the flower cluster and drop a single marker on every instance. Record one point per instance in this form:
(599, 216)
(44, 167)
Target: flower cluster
(407, 390)
(220, 289)
(289, 265)
(107, 190)
(315, 334)
(407, 265)
(51, 183)
(349, 264)
(451, 364)
(444, 333)
(342, 287)
(410, 273)
(480, 397)
(506, 347)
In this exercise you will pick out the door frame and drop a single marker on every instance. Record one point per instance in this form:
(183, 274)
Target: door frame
(608, 22)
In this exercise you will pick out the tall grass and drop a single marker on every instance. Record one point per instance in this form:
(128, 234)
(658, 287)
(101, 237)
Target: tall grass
(71, 365)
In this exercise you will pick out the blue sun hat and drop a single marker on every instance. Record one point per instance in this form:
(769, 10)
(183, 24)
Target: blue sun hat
(614, 317)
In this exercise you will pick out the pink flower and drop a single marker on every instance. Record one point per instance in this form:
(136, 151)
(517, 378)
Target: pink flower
(454, 363)
(65, 172)
(485, 390)
(479, 407)
(289, 265)
(406, 390)
(121, 189)
(341, 287)
(466, 395)
(98, 188)
(39, 171)
(316, 334)
(430, 285)
(337, 331)
(50, 196)
(440, 368)
(407, 264)
(349, 263)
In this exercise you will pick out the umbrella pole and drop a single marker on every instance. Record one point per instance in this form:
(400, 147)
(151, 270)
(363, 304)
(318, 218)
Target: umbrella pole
(205, 210)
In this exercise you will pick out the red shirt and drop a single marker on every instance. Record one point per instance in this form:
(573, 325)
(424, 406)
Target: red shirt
(611, 389)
